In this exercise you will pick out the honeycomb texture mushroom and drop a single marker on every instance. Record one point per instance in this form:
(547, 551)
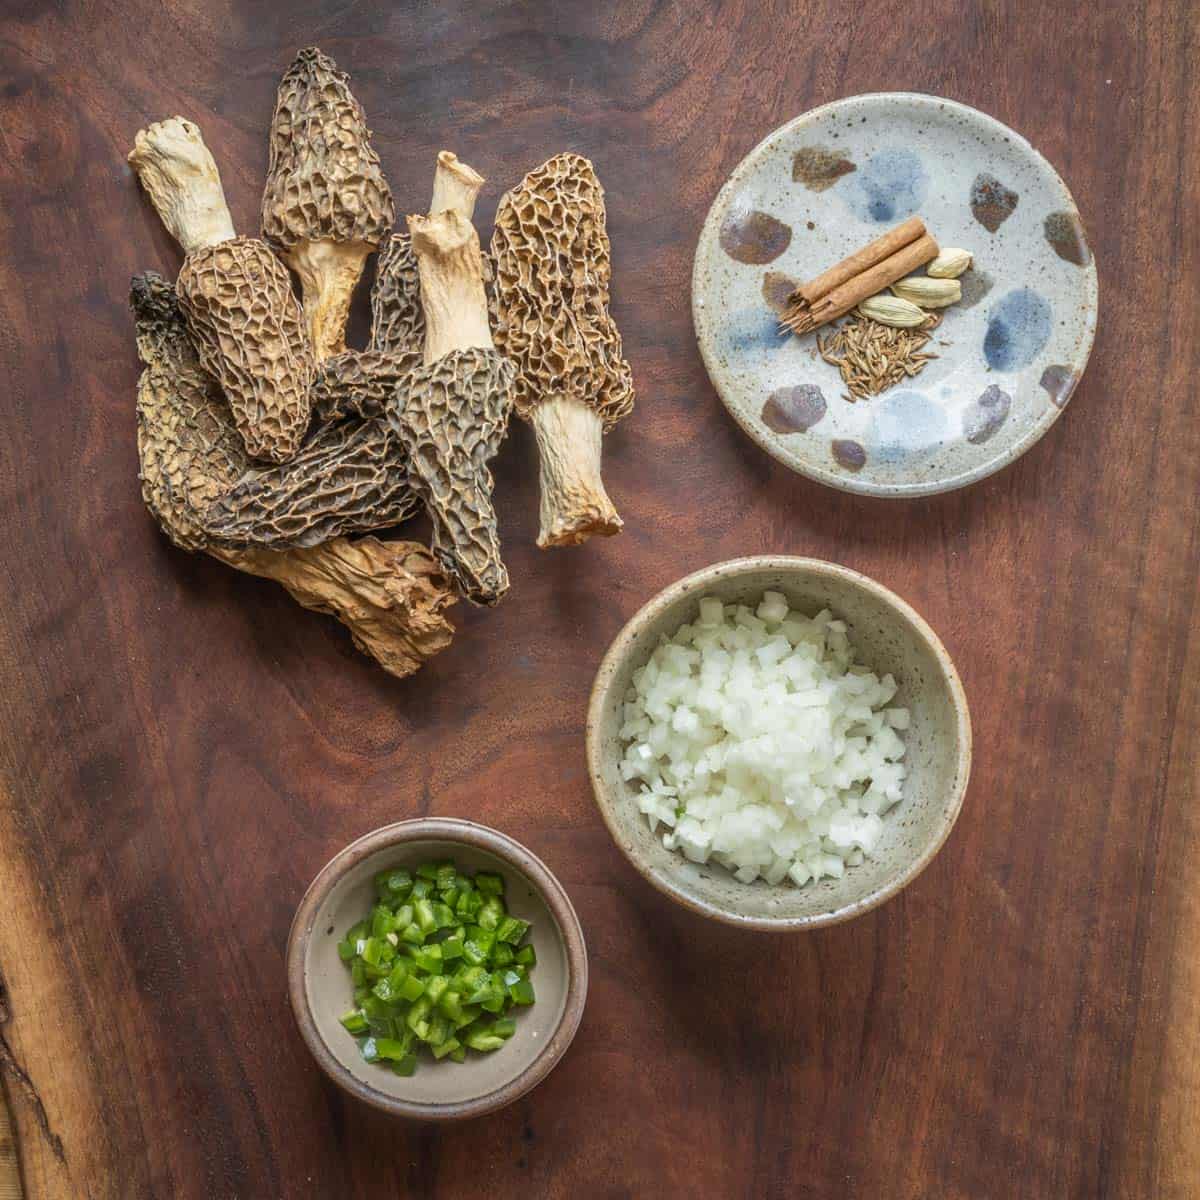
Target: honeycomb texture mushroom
(551, 256)
(391, 595)
(326, 204)
(349, 478)
(397, 319)
(235, 294)
(455, 411)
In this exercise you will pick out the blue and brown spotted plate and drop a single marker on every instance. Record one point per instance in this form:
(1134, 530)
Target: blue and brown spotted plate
(1010, 354)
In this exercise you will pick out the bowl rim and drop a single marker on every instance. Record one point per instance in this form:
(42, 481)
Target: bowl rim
(696, 582)
(842, 481)
(517, 856)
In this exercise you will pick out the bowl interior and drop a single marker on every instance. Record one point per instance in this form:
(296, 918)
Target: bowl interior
(886, 638)
(329, 992)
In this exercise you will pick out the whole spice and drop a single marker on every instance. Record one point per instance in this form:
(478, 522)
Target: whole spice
(872, 357)
(928, 293)
(236, 296)
(949, 264)
(391, 595)
(859, 276)
(893, 311)
(551, 254)
(326, 204)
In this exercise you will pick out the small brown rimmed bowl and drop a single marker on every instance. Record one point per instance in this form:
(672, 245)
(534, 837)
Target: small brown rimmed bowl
(888, 635)
(320, 990)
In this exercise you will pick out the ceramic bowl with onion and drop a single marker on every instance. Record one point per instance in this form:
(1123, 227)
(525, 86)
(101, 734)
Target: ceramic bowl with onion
(889, 637)
(320, 988)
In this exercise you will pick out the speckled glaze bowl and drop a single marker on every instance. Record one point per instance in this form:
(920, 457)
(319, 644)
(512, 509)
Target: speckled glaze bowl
(888, 636)
(320, 990)
(832, 180)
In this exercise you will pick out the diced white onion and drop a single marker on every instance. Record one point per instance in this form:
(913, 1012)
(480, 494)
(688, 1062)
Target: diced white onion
(762, 745)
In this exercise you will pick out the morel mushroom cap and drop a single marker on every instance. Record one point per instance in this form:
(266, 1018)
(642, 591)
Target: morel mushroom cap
(236, 295)
(361, 383)
(349, 478)
(326, 204)
(452, 421)
(551, 255)
(391, 595)
(397, 319)
(189, 451)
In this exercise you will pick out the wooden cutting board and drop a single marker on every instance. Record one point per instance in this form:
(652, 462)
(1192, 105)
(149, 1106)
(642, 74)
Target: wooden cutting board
(181, 748)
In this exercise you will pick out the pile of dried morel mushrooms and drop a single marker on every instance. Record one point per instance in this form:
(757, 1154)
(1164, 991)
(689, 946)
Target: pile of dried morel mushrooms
(268, 444)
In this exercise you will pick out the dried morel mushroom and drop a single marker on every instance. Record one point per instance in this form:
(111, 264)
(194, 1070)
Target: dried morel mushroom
(235, 294)
(391, 595)
(397, 320)
(550, 250)
(189, 451)
(456, 410)
(349, 478)
(360, 383)
(326, 204)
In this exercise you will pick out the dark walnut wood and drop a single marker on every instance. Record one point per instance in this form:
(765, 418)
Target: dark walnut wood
(181, 747)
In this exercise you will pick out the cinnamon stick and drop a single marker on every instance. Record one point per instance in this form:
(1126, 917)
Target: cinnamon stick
(856, 263)
(801, 315)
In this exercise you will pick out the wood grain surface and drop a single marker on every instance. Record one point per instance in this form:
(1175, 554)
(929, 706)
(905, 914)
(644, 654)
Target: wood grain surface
(181, 747)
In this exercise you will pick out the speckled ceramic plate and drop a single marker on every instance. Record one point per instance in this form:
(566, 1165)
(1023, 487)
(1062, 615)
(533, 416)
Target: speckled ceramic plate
(829, 182)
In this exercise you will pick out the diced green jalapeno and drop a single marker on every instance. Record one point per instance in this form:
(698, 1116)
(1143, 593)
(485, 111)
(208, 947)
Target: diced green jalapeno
(474, 953)
(521, 992)
(354, 1021)
(491, 913)
(511, 930)
(484, 1041)
(428, 958)
(435, 987)
(382, 921)
(411, 988)
(437, 962)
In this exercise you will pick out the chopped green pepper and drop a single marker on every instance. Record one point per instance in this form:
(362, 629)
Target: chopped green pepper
(437, 962)
(354, 1021)
(491, 885)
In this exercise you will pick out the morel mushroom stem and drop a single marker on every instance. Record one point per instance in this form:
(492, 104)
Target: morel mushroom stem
(183, 183)
(329, 272)
(451, 269)
(574, 504)
(455, 185)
